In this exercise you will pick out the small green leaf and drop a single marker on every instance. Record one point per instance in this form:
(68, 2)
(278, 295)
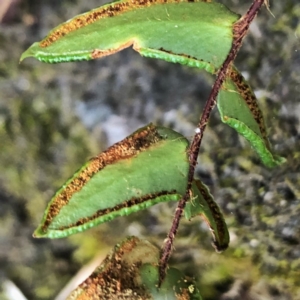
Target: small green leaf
(239, 109)
(148, 167)
(196, 33)
(202, 203)
(174, 287)
(130, 271)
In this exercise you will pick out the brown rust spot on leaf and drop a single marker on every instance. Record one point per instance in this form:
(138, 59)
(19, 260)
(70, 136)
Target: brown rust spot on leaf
(184, 295)
(125, 204)
(115, 278)
(125, 149)
(97, 14)
(181, 54)
(97, 53)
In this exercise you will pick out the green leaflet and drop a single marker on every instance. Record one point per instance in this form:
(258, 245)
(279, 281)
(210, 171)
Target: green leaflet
(203, 204)
(238, 108)
(130, 271)
(146, 168)
(174, 287)
(196, 33)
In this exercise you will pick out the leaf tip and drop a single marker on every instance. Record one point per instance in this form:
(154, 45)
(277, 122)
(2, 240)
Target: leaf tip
(39, 233)
(25, 55)
(276, 161)
(30, 52)
(219, 248)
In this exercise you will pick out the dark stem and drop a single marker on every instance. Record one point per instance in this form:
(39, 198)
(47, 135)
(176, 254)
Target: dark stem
(240, 30)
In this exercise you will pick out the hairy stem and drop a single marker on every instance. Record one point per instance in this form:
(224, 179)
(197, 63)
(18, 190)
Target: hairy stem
(240, 30)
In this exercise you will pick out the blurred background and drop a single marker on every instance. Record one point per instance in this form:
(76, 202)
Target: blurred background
(55, 117)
